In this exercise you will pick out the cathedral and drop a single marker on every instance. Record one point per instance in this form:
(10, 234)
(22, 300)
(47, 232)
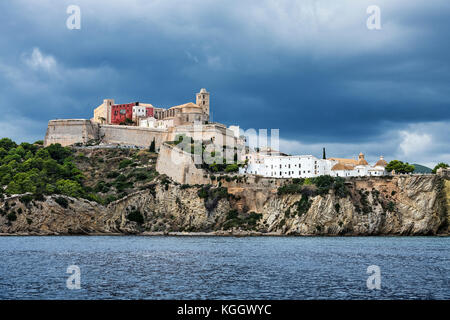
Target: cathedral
(146, 115)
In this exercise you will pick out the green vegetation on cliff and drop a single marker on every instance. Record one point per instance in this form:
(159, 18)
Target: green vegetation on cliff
(136, 216)
(311, 187)
(213, 160)
(212, 195)
(315, 186)
(31, 168)
(244, 221)
(399, 167)
(440, 165)
(101, 175)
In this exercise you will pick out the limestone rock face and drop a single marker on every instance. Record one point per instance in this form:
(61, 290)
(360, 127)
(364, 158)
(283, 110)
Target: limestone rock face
(399, 205)
(48, 217)
(409, 205)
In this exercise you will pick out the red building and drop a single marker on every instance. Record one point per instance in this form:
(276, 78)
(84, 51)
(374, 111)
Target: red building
(120, 112)
(149, 111)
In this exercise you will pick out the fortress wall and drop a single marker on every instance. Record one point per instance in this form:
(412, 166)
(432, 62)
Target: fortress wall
(212, 132)
(70, 131)
(179, 166)
(130, 135)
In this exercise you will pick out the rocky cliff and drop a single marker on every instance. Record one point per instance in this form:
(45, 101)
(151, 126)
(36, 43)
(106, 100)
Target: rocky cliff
(399, 205)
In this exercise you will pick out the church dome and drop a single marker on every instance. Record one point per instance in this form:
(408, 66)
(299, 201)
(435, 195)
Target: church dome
(361, 160)
(381, 162)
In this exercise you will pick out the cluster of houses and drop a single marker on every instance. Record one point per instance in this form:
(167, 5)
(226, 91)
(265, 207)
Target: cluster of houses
(266, 162)
(272, 163)
(147, 116)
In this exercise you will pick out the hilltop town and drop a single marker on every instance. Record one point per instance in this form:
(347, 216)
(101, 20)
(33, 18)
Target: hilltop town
(140, 125)
(137, 169)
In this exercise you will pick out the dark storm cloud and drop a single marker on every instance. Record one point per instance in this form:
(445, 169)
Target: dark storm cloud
(310, 68)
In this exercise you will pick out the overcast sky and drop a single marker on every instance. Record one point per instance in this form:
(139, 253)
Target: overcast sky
(309, 68)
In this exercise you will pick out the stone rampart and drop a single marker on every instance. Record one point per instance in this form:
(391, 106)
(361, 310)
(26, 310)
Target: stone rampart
(179, 166)
(70, 131)
(130, 135)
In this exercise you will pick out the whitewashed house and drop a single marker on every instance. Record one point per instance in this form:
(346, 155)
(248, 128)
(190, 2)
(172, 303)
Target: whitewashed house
(278, 165)
(139, 112)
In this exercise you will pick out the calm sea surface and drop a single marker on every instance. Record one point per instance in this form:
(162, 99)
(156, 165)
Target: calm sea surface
(224, 267)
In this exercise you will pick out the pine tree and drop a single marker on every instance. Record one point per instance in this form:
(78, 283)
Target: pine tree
(324, 154)
(152, 146)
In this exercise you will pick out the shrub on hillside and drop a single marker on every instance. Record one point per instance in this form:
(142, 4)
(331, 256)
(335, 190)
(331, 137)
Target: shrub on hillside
(62, 202)
(11, 216)
(125, 163)
(232, 168)
(112, 175)
(243, 221)
(136, 216)
(303, 205)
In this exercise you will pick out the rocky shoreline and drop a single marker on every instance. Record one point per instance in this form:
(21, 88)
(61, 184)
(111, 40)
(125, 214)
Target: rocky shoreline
(394, 206)
(199, 234)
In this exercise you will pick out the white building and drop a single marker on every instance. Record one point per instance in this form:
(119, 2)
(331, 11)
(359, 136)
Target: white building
(295, 166)
(139, 112)
(308, 166)
(284, 166)
(151, 122)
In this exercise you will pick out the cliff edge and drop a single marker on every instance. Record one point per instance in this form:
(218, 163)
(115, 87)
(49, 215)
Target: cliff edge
(398, 205)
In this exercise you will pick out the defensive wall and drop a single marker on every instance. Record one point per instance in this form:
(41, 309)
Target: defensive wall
(179, 166)
(130, 135)
(215, 132)
(70, 131)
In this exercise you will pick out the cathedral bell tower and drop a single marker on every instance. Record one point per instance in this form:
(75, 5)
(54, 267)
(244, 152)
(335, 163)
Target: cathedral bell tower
(203, 101)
